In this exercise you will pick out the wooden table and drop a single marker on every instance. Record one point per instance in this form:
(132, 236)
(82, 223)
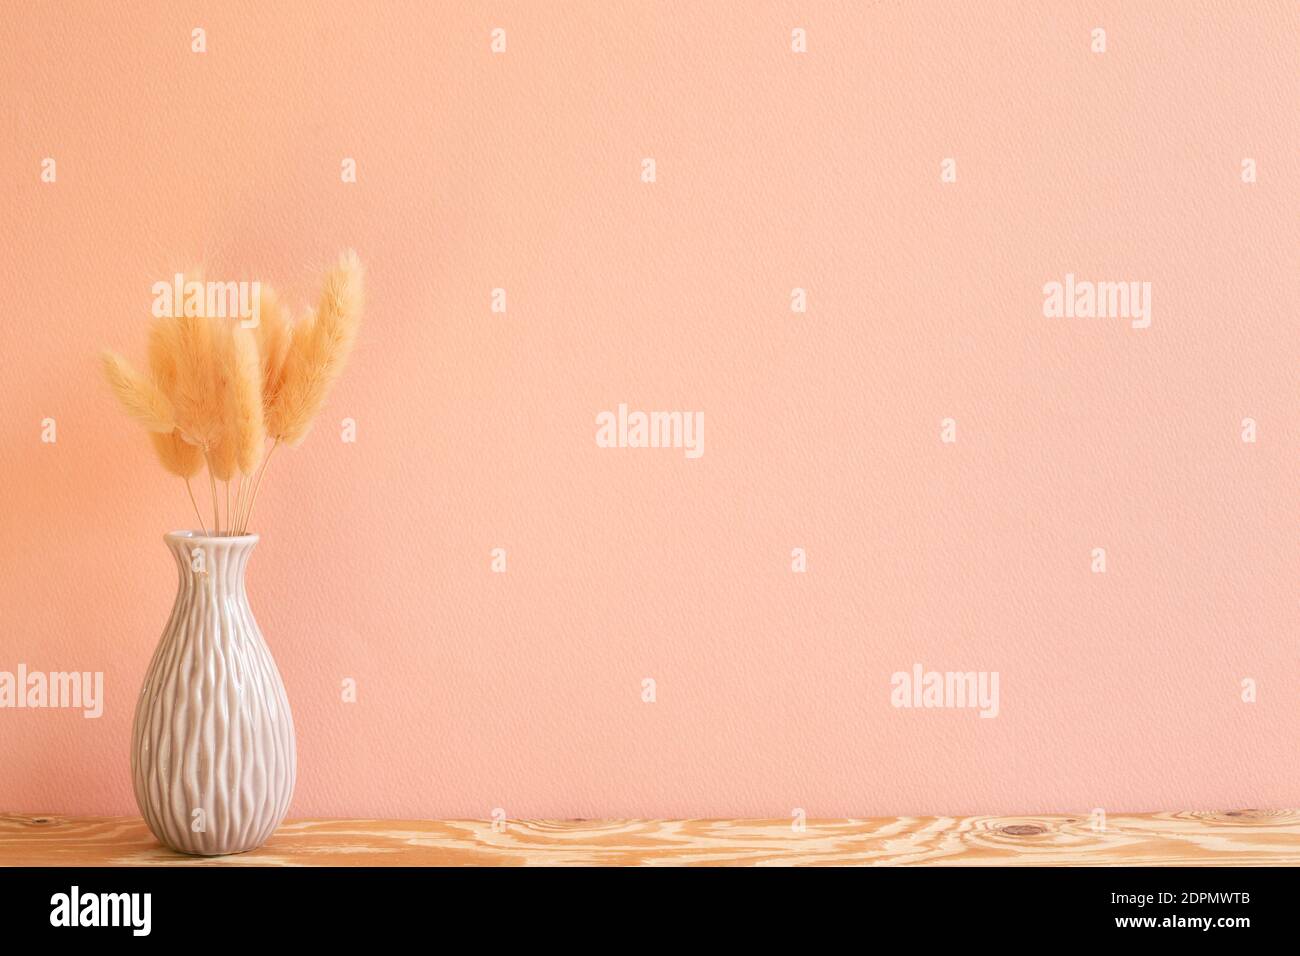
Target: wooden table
(1234, 837)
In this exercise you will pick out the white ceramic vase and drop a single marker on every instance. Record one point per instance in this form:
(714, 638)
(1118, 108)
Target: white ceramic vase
(212, 754)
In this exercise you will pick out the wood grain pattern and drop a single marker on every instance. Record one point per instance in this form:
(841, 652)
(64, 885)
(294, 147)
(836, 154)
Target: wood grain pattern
(1180, 838)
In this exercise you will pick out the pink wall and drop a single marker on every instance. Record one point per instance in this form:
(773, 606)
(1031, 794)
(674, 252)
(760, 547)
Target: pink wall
(775, 170)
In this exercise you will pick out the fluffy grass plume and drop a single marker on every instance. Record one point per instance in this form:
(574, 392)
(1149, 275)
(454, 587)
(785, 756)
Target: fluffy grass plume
(141, 398)
(318, 352)
(197, 402)
(250, 429)
(176, 454)
(164, 353)
(224, 449)
(274, 331)
(216, 391)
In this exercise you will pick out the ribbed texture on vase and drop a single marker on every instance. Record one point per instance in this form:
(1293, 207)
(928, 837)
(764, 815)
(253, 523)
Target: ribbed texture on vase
(212, 755)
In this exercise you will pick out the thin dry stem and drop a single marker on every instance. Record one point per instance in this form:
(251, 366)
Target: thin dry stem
(195, 503)
(212, 482)
(257, 485)
(239, 497)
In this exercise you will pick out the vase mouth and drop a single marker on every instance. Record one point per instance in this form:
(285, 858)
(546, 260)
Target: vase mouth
(199, 536)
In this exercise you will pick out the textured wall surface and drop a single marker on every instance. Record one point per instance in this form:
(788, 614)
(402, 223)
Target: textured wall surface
(774, 170)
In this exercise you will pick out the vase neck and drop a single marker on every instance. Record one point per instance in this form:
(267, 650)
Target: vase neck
(211, 560)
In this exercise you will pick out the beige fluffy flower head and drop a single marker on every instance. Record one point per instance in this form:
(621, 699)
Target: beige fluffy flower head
(217, 391)
(318, 351)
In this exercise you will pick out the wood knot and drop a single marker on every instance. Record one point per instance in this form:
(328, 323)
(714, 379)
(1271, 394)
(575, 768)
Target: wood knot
(41, 820)
(1024, 829)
